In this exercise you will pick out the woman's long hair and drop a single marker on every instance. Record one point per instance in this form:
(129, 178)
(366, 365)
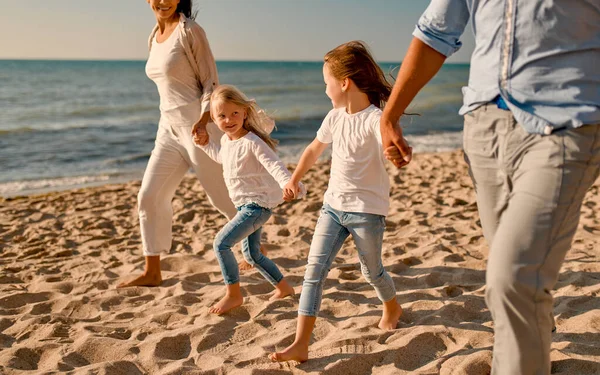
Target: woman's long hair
(353, 60)
(257, 121)
(185, 7)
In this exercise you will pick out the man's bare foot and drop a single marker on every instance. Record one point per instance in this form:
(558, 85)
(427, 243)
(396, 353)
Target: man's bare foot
(282, 290)
(392, 311)
(295, 352)
(144, 279)
(226, 304)
(245, 266)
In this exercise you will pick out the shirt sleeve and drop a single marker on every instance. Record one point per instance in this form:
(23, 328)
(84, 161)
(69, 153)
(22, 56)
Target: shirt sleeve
(269, 159)
(324, 133)
(205, 61)
(442, 24)
(376, 126)
(213, 150)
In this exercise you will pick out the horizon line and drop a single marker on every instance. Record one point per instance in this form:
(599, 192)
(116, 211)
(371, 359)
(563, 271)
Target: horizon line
(217, 60)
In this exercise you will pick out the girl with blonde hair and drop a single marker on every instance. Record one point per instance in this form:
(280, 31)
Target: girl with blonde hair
(255, 178)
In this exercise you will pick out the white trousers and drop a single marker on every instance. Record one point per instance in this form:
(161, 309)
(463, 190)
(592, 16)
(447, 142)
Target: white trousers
(173, 155)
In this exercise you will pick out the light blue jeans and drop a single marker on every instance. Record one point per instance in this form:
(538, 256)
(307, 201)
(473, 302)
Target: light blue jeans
(333, 227)
(246, 226)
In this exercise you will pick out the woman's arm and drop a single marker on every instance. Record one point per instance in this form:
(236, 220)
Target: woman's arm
(205, 62)
(206, 69)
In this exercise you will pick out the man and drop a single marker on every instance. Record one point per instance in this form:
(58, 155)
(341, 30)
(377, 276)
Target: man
(532, 142)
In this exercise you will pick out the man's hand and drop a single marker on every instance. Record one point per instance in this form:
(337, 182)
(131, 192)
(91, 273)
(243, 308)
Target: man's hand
(392, 138)
(393, 154)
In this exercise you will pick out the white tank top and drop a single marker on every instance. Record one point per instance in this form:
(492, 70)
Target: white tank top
(169, 67)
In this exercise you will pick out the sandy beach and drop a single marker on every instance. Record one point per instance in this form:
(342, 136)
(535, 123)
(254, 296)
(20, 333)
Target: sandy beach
(63, 253)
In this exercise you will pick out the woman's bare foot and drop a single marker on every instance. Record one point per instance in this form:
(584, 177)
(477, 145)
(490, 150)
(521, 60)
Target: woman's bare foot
(144, 279)
(392, 311)
(245, 266)
(150, 277)
(295, 352)
(282, 290)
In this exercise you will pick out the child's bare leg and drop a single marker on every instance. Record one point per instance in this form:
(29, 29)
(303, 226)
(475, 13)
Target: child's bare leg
(282, 290)
(298, 351)
(245, 266)
(233, 298)
(392, 311)
(150, 277)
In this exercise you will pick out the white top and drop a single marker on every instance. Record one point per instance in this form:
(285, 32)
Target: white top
(252, 170)
(359, 181)
(180, 95)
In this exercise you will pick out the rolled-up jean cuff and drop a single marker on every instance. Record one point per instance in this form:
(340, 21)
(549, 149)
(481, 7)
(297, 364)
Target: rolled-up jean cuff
(306, 313)
(228, 282)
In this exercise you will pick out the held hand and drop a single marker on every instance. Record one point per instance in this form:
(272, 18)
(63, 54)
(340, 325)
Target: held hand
(290, 191)
(200, 134)
(288, 195)
(391, 136)
(393, 154)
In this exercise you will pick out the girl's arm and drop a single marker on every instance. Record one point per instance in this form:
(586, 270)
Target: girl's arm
(269, 159)
(308, 159)
(212, 149)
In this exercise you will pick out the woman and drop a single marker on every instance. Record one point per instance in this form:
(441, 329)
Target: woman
(183, 67)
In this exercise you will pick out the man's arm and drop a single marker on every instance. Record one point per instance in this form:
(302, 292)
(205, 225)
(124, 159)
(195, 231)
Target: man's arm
(436, 37)
(418, 67)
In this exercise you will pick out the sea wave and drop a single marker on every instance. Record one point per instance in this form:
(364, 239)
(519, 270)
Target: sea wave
(26, 187)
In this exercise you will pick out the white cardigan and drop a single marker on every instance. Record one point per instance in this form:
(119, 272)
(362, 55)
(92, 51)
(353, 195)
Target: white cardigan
(252, 170)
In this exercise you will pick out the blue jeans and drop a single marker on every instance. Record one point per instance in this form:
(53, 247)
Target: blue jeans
(333, 227)
(246, 226)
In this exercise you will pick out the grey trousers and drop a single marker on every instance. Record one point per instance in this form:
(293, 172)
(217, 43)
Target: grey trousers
(529, 193)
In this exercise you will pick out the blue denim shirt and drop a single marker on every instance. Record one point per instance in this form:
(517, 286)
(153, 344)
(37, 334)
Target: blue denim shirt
(541, 56)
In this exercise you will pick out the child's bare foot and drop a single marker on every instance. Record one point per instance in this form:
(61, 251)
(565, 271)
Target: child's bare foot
(295, 352)
(145, 279)
(282, 290)
(227, 303)
(392, 311)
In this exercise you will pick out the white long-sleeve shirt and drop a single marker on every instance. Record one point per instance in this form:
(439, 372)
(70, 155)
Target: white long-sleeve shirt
(252, 170)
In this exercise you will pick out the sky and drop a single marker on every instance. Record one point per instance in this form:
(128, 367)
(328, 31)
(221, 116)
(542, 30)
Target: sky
(281, 30)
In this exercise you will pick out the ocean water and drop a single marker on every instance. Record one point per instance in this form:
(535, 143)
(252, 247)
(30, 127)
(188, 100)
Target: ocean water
(78, 123)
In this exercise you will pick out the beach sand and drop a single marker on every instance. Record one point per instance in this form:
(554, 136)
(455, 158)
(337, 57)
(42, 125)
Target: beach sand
(63, 253)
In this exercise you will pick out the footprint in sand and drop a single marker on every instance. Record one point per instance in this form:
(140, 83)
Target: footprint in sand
(452, 291)
(411, 261)
(24, 359)
(22, 299)
(424, 347)
(173, 348)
